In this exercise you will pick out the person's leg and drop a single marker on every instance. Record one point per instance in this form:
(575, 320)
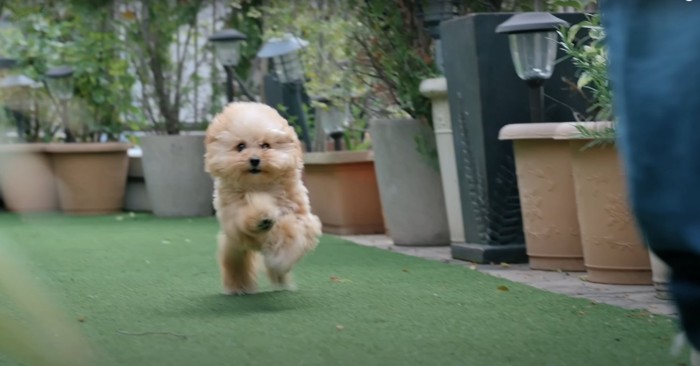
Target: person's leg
(655, 76)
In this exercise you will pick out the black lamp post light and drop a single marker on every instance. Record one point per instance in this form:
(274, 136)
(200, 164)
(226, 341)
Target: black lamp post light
(227, 48)
(7, 63)
(284, 52)
(533, 47)
(59, 81)
(434, 12)
(332, 119)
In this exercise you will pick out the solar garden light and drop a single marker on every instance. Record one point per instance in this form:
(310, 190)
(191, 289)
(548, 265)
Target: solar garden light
(227, 48)
(533, 47)
(434, 12)
(7, 63)
(59, 81)
(19, 98)
(12, 89)
(284, 52)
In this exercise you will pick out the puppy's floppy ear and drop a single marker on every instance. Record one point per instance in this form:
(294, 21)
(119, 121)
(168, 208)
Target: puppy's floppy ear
(213, 130)
(209, 138)
(285, 136)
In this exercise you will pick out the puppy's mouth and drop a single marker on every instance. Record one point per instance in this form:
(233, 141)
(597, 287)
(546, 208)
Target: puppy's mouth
(254, 171)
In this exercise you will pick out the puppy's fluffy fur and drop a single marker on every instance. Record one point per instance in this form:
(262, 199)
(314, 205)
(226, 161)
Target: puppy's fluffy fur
(255, 158)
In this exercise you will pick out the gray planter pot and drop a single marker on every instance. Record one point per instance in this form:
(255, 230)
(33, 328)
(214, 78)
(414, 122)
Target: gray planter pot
(173, 167)
(410, 188)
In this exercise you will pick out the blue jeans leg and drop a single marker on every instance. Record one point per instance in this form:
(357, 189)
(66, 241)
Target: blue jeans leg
(654, 70)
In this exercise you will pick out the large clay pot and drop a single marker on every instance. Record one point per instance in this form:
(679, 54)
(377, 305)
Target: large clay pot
(91, 177)
(343, 192)
(173, 167)
(410, 187)
(547, 199)
(613, 250)
(26, 178)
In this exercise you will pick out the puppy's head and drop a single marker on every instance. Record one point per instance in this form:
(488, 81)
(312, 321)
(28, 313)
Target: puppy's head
(251, 143)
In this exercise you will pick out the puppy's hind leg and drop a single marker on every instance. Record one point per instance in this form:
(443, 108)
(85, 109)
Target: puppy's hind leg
(282, 281)
(238, 268)
(293, 237)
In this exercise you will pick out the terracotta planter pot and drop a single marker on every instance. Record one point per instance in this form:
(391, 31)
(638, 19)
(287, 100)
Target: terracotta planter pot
(343, 192)
(547, 199)
(91, 177)
(26, 179)
(613, 250)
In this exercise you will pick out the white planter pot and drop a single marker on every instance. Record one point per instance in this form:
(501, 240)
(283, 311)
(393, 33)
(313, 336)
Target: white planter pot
(410, 188)
(173, 168)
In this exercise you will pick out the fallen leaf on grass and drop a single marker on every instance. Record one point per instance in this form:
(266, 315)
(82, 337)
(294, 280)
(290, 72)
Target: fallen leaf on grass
(165, 241)
(405, 270)
(337, 279)
(81, 319)
(119, 218)
(503, 288)
(339, 327)
(640, 314)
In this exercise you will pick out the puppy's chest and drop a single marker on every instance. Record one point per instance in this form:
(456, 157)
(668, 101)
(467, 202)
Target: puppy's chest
(282, 201)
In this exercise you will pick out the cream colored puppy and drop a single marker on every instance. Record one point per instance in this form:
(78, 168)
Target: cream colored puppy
(255, 158)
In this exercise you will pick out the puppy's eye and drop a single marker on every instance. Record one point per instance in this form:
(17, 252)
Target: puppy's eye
(265, 146)
(240, 147)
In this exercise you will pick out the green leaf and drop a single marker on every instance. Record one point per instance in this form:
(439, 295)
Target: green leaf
(571, 34)
(583, 80)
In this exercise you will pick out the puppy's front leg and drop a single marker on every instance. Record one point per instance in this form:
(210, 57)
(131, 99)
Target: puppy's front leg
(258, 215)
(237, 265)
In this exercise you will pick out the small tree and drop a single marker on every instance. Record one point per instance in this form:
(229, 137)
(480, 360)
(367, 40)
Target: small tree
(153, 29)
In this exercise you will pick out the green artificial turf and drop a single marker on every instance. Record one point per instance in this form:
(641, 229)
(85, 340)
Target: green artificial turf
(122, 276)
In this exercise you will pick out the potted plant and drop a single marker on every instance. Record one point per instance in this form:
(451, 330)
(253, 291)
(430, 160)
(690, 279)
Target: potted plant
(547, 199)
(613, 249)
(342, 185)
(26, 178)
(393, 56)
(83, 105)
(172, 161)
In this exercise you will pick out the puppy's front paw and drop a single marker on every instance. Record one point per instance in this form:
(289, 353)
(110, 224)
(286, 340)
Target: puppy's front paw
(259, 224)
(265, 224)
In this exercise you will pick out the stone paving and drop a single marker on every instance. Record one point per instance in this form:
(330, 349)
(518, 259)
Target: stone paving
(567, 283)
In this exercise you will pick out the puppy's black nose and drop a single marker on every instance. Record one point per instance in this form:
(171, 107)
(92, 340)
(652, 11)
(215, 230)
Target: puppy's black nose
(254, 161)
